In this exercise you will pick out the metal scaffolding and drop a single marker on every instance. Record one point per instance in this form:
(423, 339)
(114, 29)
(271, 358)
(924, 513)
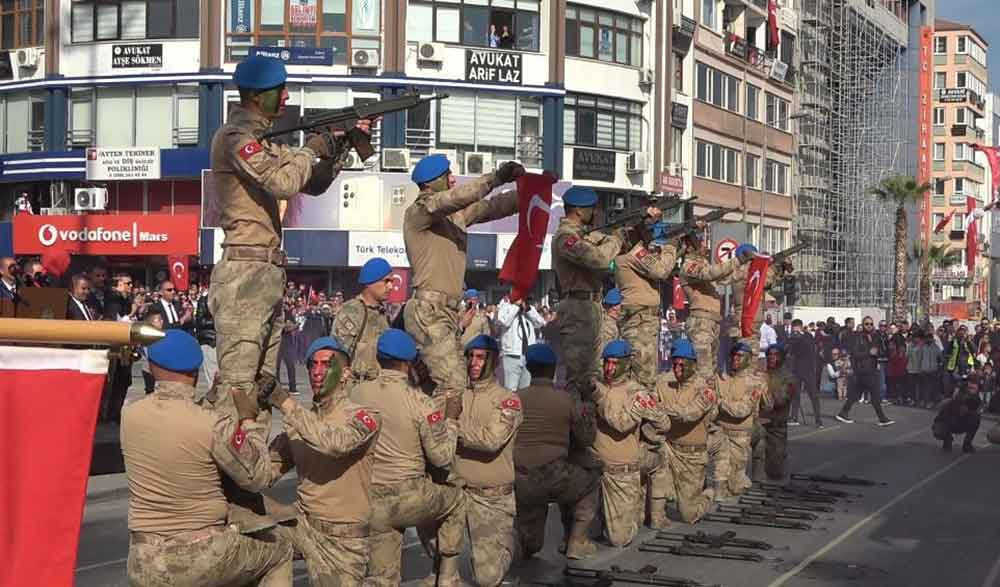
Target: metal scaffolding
(852, 91)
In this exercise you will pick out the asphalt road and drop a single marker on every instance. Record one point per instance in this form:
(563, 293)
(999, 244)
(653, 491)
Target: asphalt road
(934, 522)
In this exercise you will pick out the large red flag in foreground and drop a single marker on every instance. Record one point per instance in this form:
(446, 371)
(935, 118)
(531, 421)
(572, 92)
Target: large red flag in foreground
(520, 267)
(50, 401)
(753, 293)
(993, 156)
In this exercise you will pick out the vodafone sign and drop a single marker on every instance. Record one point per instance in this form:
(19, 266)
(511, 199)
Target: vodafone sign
(127, 234)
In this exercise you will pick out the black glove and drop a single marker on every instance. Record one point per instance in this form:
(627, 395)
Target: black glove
(508, 172)
(453, 407)
(246, 408)
(265, 384)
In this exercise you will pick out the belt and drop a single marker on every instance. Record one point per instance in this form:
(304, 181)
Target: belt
(396, 489)
(430, 295)
(340, 529)
(619, 469)
(737, 431)
(689, 448)
(191, 537)
(494, 491)
(582, 294)
(250, 253)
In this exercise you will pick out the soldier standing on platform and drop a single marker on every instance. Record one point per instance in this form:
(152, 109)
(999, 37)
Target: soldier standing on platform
(362, 319)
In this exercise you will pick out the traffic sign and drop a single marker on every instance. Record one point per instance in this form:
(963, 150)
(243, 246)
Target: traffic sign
(724, 249)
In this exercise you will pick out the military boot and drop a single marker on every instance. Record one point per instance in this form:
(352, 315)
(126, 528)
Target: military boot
(578, 545)
(967, 445)
(658, 519)
(946, 443)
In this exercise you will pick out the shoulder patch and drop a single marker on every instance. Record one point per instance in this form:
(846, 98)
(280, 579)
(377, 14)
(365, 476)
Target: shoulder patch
(250, 149)
(346, 324)
(692, 267)
(434, 417)
(571, 241)
(644, 400)
(709, 395)
(239, 437)
(642, 253)
(369, 422)
(511, 403)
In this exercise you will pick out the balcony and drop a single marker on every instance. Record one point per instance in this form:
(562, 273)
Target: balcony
(36, 139)
(185, 136)
(967, 131)
(736, 46)
(957, 199)
(684, 34)
(955, 274)
(970, 169)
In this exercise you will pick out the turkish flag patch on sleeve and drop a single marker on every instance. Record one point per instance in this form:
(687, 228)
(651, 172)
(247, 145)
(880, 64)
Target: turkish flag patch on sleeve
(369, 422)
(250, 149)
(238, 438)
(434, 417)
(571, 241)
(511, 403)
(709, 395)
(641, 253)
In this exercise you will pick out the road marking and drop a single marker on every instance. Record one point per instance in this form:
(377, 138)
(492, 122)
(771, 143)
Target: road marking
(991, 578)
(847, 533)
(814, 432)
(99, 565)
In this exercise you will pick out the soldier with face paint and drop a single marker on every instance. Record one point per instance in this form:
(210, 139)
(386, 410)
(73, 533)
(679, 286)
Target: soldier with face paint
(771, 434)
(739, 401)
(330, 448)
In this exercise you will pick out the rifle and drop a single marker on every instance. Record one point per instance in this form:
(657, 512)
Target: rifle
(689, 227)
(807, 490)
(842, 480)
(754, 520)
(345, 119)
(793, 495)
(716, 540)
(770, 512)
(792, 250)
(691, 549)
(664, 203)
(785, 505)
(644, 576)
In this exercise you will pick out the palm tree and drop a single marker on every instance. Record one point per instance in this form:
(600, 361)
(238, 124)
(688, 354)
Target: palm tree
(900, 190)
(930, 258)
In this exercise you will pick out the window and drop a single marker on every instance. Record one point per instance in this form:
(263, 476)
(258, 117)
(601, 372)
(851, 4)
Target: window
(111, 117)
(717, 162)
(776, 177)
(962, 79)
(716, 87)
(677, 146)
(958, 221)
(752, 171)
(708, 14)
(22, 23)
(977, 52)
(112, 20)
(938, 116)
(603, 35)
(506, 126)
(500, 24)
(968, 80)
(940, 45)
(936, 218)
(939, 151)
(940, 80)
(963, 45)
(960, 155)
(960, 116)
(939, 185)
(602, 122)
(338, 25)
(777, 112)
(959, 185)
(753, 102)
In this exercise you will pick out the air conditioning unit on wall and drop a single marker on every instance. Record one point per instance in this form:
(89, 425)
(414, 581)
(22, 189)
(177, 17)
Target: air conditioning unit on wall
(478, 163)
(90, 199)
(638, 162)
(27, 57)
(430, 52)
(396, 159)
(365, 58)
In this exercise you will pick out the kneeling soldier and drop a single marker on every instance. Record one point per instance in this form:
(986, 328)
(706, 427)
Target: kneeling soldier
(739, 398)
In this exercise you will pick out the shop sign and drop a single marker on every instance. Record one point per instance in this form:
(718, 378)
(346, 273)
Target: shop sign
(296, 55)
(302, 13)
(671, 184)
(593, 164)
(952, 95)
(364, 245)
(505, 240)
(146, 55)
(240, 16)
(122, 234)
(493, 66)
(679, 115)
(126, 163)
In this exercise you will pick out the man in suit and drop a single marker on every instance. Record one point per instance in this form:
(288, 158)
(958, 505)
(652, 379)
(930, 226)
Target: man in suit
(79, 291)
(801, 349)
(98, 277)
(174, 315)
(784, 332)
(8, 283)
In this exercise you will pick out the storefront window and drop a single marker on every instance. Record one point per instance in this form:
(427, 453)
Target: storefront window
(341, 25)
(501, 24)
(603, 122)
(112, 20)
(608, 36)
(22, 23)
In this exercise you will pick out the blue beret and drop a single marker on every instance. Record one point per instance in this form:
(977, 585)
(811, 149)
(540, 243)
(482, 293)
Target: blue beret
(260, 73)
(396, 344)
(683, 349)
(325, 342)
(580, 197)
(741, 347)
(777, 347)
(374, 270)
(471, 293)
(430, 168)
(744, 248)
(616, 349)
(540, 353)
(484, 342)
(613, 297)
(178, 352)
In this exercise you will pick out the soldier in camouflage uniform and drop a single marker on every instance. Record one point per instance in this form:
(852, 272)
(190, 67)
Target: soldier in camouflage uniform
(434, 229)
(329, 448)
(175, 453)
(621, 406)
(771, 435)
(692, 402)
(484, 462)
(552, 419)
(413, 434)
(474, 320)
(362, 319)
(739, 401)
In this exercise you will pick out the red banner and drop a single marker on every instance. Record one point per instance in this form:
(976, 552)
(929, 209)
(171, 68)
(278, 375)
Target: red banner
(944, 222)
(678, 298)
(520, 267)
(773, 36)
(993, 156)
(108, 234)
(179, 272)
(50, 398)
(400, 286)
(924, 137)
(753, 293)
(971, 236)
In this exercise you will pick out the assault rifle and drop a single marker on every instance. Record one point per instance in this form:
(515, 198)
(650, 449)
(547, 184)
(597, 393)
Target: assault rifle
(771, 512)
(644, 576)
(690, 226)
(842, 480)
(691, 549)
(794, 506)
(790, 251)
(716, 540)
(807, 490)
(752, 520)
(635, 217)
(803, 496)
(345, 119)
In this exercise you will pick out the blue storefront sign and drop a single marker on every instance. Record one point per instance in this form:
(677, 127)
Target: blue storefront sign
(241, 16)
(297, 55)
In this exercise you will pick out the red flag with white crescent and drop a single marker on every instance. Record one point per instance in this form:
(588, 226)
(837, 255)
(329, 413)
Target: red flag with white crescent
(944, 222)
(678, 297)
(993, 156)
(179, 274)
(400, 283)
(971, 236)
(753, 293)
(520, 266)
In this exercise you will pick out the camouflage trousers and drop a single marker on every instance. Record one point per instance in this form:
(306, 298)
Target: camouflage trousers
(653, 466)
(621, 496)
(435, 510)
(703, 333)
(687, 473)
(560, 482)
(490, 523)
(769, 446)
(332, 561)
(640, 326)
(717, 471)
(245, 299)
(224, 559)
(434, 327)
(737, 451)
(579, 334)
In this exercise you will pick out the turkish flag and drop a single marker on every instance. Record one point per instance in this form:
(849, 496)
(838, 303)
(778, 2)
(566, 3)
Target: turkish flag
(773, 36)
(993, 156)
(678, 297)
(520, 267)
(179, 271)
(944, 222)
(753, 293)
(401, 283)
(971, 236)
(50, 403)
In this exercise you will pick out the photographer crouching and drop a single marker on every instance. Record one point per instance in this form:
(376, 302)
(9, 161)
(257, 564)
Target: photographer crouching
(959, 415)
